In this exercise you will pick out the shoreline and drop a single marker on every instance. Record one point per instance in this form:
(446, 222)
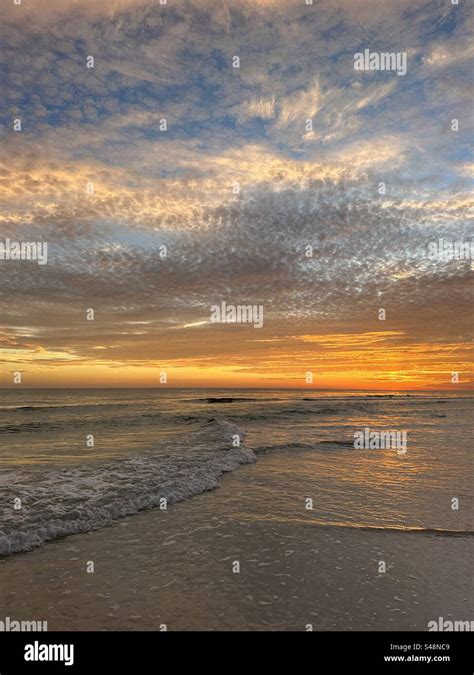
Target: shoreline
(175, 568)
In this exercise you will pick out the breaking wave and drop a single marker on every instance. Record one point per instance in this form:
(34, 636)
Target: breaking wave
(82, 498)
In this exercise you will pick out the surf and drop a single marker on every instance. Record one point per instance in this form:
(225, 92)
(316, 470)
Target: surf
(67, 501)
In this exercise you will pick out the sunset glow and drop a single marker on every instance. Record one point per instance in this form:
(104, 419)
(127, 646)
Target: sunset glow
(164, 180)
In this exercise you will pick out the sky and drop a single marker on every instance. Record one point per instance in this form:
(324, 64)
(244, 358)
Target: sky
(165, 181)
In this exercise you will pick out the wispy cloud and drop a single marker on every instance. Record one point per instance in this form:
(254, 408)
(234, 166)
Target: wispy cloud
(236, 185)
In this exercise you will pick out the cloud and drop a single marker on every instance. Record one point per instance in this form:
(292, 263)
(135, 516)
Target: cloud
(443, 56)
(300, 105)
(257, 107)
(236, 188)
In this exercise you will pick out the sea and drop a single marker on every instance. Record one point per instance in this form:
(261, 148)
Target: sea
(235, 509)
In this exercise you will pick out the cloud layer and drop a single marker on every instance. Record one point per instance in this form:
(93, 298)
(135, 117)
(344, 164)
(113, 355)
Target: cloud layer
(292, 181)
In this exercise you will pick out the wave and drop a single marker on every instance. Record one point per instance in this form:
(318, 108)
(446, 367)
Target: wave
(28, 426)
(292, 413)
(397, 529)
(85, 498)
(314, 399)
(264, 449)
(63, 406)
(341, 444)
(230, 399)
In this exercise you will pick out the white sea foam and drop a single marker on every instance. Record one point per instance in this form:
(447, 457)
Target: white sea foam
(87, 497)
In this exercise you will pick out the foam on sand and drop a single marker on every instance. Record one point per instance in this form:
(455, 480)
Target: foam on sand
(90, 496)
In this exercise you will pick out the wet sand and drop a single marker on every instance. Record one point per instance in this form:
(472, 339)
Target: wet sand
(175, 568)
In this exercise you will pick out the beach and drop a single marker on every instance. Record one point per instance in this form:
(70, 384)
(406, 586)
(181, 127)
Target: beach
(305, 533)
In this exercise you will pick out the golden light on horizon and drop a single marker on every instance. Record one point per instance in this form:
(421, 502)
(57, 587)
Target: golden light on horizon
(305, 193)
(342, 366)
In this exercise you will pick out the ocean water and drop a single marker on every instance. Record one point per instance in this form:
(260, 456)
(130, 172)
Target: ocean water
(315, 560)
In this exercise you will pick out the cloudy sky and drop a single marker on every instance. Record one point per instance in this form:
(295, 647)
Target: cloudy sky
(237, 171)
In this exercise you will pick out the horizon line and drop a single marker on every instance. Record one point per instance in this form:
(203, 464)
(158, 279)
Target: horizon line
(452, 389)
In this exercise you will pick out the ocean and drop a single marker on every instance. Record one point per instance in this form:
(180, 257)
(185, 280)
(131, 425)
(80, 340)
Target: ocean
(234, 509)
